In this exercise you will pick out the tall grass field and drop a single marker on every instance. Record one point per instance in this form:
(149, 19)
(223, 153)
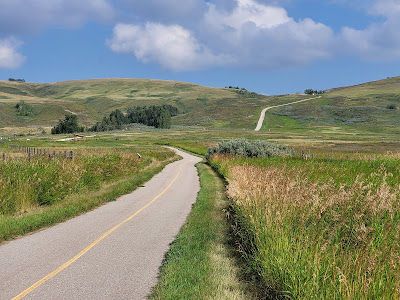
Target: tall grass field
(318, 229)
(40, 192)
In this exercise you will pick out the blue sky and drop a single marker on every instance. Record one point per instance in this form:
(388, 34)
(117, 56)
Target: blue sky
(267, 46)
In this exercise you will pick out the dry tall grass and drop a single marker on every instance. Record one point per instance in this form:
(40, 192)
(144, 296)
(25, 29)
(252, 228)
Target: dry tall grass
(25, 185)
(311, 239)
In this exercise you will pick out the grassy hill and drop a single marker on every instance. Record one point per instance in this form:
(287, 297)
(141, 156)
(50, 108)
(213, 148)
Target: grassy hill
(370, 107)
(92, 99)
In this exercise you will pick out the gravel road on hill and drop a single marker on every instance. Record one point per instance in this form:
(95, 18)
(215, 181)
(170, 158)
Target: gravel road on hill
(113, 252)
(262, 116)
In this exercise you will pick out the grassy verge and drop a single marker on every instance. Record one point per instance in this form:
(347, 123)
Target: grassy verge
(323, 229)
(38, 216)
(201, 264)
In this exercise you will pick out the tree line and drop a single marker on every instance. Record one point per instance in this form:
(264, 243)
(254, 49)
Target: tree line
(157, 116)
(313, 92)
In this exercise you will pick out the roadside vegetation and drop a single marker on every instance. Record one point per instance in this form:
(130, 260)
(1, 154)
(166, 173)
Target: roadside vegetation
(39, 192)
(327, 228)
(202, 263)
(245, 148)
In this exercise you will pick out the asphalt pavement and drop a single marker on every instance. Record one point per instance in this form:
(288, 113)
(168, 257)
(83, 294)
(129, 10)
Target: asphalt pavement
(113, 252)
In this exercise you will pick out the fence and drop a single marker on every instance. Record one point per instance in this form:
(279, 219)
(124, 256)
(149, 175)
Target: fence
(33, 151)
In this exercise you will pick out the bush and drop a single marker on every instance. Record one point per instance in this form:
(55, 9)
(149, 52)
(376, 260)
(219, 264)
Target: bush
(68, 125)
(243, 147)
(23, 109)
(157, 116)
(391, 106)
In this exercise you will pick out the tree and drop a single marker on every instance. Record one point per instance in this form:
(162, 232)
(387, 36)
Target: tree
(309, 91)
(68, 125)
(23, 109)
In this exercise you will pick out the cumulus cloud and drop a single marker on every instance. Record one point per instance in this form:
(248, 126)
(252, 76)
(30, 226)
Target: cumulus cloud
(248, 11)
(27, 16)
(249, 34)
(19, 17)
(9, 57)
(380, 41)
(173, 47)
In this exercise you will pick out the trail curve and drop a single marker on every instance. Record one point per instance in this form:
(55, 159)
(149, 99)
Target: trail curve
(262, 116)
(113, 252)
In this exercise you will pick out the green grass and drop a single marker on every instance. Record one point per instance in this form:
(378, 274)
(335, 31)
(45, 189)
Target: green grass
(201, 264)
(40, 193)
(91, 99)
(358, 109)
(320, 229)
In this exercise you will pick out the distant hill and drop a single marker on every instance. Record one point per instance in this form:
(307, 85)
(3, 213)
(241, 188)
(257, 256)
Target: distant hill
(93, 99)
(370, 107)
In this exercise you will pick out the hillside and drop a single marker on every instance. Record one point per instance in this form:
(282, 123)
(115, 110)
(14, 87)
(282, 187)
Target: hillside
(92, 99)
(370, 107)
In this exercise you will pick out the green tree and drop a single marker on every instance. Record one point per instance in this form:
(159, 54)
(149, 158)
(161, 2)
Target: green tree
(68, 125)
(309, 91)
(23, 109)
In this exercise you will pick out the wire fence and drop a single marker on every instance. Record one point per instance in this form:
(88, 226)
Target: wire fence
(31, 152)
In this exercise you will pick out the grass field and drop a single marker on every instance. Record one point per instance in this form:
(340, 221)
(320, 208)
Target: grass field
(300, 233)
(201, 263)
(371, 108)
(92, 99)
(321, 229)
(40, 192)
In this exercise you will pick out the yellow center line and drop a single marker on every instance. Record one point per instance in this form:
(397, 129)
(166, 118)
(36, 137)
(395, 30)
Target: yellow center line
(80, 254)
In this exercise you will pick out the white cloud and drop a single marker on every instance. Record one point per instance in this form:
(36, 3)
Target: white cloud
(380, 41)
(248, 11)
(248, 35)
(9, 57)
(27, 16)
(388, 8)
(19, 17)
(173, 47)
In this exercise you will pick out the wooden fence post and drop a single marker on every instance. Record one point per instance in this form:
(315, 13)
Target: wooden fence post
(29, 155)
(4, 158)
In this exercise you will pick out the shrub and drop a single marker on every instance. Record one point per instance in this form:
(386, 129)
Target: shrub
(23, 109)
(243, 147)
(391, 106)
(68, 125)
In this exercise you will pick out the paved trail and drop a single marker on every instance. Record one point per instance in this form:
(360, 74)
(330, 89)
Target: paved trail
(113, 252)
(262, 116)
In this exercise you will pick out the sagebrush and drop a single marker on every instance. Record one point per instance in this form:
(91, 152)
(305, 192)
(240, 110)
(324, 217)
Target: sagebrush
(246, 148)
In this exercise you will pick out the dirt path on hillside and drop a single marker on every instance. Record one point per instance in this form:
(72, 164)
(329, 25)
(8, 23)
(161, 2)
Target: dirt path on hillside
(262, 116)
